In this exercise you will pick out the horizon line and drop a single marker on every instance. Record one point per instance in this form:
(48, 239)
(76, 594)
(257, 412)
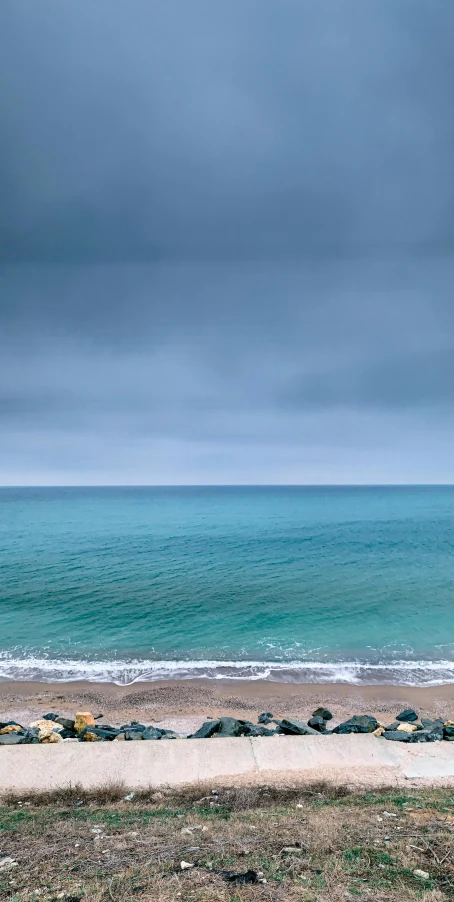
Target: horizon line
(239, 485)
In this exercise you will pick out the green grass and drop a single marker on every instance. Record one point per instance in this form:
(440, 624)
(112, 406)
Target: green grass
(336, 844)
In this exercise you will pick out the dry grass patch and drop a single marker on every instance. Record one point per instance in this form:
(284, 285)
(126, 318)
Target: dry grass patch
(316, 843)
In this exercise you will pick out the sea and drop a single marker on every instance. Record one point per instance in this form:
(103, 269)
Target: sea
(291, 584)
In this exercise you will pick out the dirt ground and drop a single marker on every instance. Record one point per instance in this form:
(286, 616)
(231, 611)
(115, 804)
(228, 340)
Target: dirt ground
(293, 843)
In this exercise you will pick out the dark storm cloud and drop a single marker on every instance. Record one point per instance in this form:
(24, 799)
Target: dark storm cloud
(226, 235)
(222, 130)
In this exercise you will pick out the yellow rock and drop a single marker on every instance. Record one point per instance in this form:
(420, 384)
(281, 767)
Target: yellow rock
(90, 737)
(11, 728)
(379, 731)
(447, 723)
(46, 727)
(52, 737)
(407, 727)
(83, 719)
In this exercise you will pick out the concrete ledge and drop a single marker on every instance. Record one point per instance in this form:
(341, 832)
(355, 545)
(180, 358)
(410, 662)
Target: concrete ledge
(139, 765)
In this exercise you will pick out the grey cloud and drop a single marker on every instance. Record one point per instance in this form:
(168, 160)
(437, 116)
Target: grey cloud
(226, 241)
(202, 131)
(422, 378)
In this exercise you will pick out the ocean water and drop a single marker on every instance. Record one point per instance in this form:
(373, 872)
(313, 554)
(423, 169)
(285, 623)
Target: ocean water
(288, 583)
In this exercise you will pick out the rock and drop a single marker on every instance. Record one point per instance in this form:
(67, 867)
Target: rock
(98, 734)
(11, 728)
(45, 728)
(407, 727)
(66, 723)
(252, 729)
(120, 738)
(184, 865)
(447, 723)
(322, 712)
(248, 877)
(52, 737)
(396, 735)
(296, 727)
(448, 733)
(229, 726)
(423, 875)
(68, 734)
(168, 734)
(132, 735)
(207, 730)
(152, 733)
(359, 723)
(83, 719)
(11, 739)
(89, 735)
(432, 734)
(407, 716)
(30, 736)
(317, 722)
(379, 731)
(265, 718)
(50, 717)
(7, 863)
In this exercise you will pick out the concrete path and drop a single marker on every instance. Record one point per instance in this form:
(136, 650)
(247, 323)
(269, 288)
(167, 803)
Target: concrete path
(349, 759)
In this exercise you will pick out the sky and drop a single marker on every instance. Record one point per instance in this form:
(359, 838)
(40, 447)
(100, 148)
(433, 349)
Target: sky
(226, 242)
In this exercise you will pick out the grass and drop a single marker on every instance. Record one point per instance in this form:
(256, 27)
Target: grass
(314, 843)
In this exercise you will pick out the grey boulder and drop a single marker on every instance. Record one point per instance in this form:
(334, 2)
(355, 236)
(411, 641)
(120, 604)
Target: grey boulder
(322, 712)
(265, 718)
(296, 727)
(407, 716)
(359, 723)
(318, 723)
(208, 729)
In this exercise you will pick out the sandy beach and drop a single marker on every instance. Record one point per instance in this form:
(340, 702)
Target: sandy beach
(184, 705)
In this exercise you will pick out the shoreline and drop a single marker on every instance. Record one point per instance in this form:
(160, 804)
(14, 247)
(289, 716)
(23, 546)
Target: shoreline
(185, 704)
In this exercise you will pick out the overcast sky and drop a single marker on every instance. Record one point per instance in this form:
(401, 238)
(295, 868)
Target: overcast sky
(226, 241)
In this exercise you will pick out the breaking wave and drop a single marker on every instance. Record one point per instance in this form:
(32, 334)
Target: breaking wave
(398, 673)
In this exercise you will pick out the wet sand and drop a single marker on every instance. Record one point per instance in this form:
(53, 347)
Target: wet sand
(184, 705)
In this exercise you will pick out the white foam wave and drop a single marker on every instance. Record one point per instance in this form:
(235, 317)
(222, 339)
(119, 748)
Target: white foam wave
(404, 673)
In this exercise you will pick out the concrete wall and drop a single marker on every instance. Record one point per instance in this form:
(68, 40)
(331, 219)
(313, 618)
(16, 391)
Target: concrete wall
(143, 764)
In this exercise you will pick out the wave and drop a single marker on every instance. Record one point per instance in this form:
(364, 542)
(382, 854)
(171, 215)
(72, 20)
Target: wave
(398, 673)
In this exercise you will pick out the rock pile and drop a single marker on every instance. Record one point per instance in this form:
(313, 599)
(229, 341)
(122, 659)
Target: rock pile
(52, 729)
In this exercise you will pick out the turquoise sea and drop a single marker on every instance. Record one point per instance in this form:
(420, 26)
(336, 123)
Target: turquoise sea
(300, 584)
